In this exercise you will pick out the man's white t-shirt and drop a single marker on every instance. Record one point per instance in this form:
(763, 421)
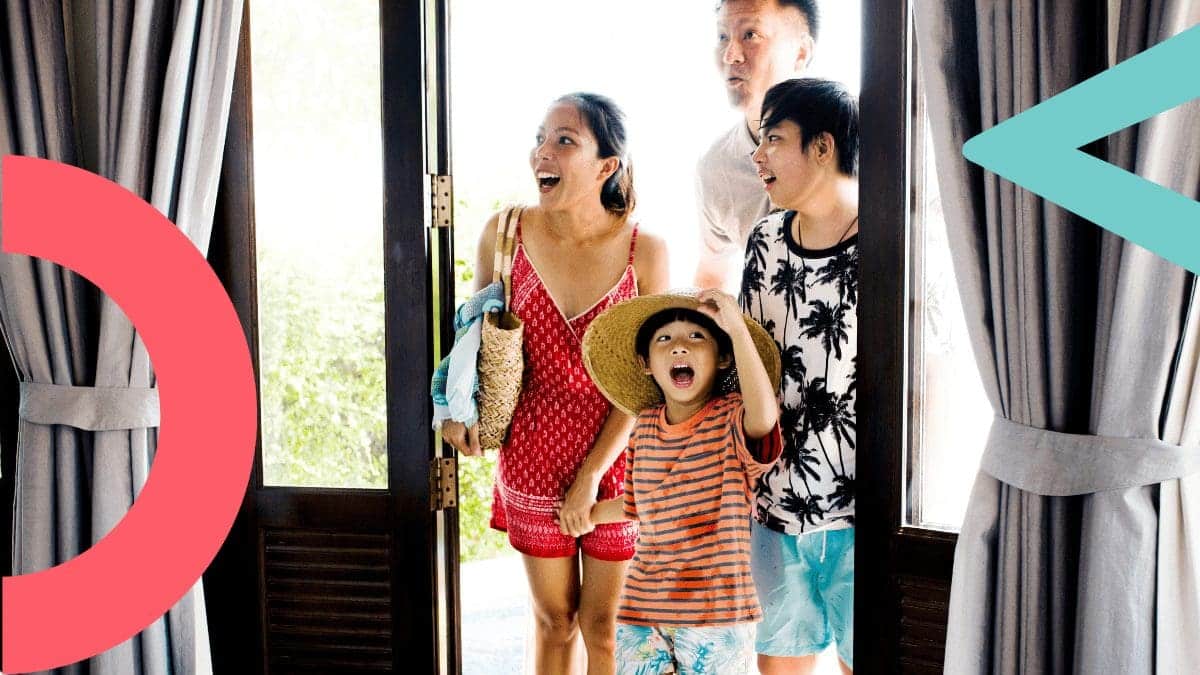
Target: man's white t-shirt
(731, 199)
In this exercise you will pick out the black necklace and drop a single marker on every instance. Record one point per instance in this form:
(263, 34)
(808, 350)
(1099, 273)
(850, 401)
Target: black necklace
(800, 241)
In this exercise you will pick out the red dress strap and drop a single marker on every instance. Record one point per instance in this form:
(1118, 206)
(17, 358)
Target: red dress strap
(632, 243)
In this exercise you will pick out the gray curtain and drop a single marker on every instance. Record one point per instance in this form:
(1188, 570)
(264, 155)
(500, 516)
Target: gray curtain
(1080, 550)
(137, 92)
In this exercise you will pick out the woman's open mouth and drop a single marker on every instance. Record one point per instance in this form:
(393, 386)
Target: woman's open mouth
(547, 181)
(682, 376)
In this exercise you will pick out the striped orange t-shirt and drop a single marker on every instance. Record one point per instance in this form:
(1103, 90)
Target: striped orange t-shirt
(686, 486)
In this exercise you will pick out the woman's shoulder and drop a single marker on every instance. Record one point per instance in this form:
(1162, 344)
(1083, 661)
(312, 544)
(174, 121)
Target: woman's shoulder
(491, 228)
(486, 246)
(650, 246)
(650, 261)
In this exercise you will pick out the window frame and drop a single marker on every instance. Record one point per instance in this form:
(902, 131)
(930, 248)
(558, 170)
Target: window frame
(236, 583)
(902, 573)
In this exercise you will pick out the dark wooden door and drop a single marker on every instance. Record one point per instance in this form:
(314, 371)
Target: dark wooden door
(344, 580)
(902, 573)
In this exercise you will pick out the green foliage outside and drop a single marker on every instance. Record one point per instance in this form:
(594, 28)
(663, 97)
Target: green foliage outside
(476, 541)
(321, 352)
(320, 258)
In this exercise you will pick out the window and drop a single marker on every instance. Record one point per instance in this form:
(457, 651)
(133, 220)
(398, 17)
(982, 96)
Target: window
(949, 414)
(319, 239)
(312, 578)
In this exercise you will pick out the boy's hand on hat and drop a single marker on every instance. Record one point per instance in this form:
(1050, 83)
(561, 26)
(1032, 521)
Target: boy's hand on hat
(461, 438)
(722, 308)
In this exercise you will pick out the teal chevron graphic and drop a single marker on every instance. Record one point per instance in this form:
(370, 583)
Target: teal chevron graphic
(1039, 149)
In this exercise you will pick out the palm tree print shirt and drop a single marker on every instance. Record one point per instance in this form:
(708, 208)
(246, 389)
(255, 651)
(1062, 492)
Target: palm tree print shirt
(807, 300)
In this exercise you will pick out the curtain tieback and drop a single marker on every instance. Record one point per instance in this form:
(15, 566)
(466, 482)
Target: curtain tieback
(1055, 464)
(90, 408)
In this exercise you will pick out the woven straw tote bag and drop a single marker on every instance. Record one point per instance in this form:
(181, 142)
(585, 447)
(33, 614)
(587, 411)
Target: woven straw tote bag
(501, 360)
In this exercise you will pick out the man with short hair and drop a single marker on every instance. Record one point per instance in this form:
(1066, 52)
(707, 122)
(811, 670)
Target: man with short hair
(759, 44)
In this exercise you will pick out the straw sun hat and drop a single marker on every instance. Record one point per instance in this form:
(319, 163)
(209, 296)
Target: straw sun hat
(610, 353)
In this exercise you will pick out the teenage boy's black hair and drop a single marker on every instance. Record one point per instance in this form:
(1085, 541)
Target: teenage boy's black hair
(817, 106)
(651, 325)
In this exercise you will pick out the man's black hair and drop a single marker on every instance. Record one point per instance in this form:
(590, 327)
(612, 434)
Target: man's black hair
(817, 106)
(807, 8)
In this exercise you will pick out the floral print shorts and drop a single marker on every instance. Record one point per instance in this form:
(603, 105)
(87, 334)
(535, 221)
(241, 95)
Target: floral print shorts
(656, 650)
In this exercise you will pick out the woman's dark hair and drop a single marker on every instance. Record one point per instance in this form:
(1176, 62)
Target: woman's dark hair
(655, 321)
(817, 106)
(607, 123)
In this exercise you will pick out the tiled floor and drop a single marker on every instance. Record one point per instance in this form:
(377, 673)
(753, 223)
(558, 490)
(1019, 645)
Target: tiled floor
(495, 616)
(495, 619)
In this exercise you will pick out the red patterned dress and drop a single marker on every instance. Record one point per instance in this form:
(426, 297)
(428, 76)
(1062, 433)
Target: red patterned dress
(558, 418)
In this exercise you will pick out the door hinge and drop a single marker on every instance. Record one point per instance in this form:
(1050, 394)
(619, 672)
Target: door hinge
(442, 193)
(443, 483)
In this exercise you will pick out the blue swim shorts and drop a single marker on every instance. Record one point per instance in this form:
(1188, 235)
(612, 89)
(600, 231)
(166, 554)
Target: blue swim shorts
(806, 588)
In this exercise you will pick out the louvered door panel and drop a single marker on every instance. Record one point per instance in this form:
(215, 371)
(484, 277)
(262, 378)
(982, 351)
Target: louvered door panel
(327, 601)
(924, 606)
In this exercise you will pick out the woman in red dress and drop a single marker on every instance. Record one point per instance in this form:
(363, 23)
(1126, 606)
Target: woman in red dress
(577, 254)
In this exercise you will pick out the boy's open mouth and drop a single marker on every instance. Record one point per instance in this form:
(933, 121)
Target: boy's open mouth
(682, 376)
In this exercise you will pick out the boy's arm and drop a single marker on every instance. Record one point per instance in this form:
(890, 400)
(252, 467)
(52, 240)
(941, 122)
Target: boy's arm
(581, 495)
(609, 511)
(758, 396)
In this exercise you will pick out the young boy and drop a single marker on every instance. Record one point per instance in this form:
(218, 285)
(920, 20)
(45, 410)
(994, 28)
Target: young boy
(801, 282)
(688, 603)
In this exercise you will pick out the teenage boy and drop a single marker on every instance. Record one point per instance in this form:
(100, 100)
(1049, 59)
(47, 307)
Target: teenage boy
(800, 281)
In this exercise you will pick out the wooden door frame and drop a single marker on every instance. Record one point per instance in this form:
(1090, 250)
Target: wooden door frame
(230, 582)
(234, 592)
(407, 266)
(901, 573)
(438, 163)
